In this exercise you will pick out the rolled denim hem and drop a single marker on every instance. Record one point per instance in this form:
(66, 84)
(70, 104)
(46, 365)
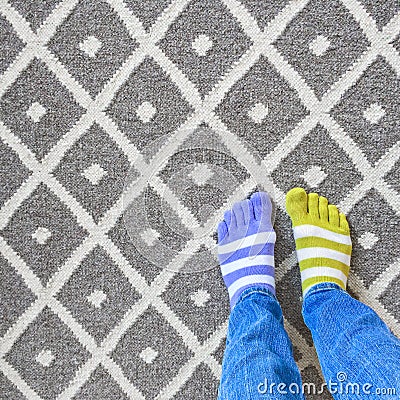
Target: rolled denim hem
(323, 286)
(255, 289)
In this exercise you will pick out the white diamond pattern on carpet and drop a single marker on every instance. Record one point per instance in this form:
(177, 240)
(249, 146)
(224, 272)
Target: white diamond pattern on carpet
(94, 84)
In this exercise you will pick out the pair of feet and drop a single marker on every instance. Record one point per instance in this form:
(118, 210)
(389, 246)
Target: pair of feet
(246, 241)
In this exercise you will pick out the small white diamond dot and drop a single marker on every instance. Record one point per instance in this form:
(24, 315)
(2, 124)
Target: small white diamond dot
(41, 235)
(314, 176)
(91, 45)
(319, 45)
(148, 355)
(45, 358)
(146, 112)
(201, 174)
(258, 112)
(374, 113)
(367, 240)
(150, 236)
(36, 111)
(94, 173)
(96, 298)
(202, 44)
(200, 297)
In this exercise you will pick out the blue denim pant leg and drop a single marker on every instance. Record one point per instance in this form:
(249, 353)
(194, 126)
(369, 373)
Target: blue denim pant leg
(258, 351)
(354, 345)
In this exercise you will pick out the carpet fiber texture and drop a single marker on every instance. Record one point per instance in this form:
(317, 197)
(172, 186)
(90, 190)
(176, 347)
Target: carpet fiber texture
(190, 104)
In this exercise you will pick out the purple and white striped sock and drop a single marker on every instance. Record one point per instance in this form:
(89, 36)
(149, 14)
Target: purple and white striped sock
(246, 242)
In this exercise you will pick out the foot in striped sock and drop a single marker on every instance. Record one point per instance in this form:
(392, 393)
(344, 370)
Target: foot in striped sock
(322, 235)
(246, 241)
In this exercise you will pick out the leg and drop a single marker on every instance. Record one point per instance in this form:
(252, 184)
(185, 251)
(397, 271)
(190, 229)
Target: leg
(258, 355)
(258, 352)
(354, 346)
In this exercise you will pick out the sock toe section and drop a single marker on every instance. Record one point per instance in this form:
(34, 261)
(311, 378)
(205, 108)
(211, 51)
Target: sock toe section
(313, 207)
(255, 199)
(296, 203)
(246, 246)
(247, 210)
(228, 218)
(343, 222)
(262, 206)
(222, 231)
(237, 214)
(323, 208)
(322, 235)
(333, 215)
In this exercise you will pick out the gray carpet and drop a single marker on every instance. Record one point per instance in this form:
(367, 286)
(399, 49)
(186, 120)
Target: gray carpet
(189, 105)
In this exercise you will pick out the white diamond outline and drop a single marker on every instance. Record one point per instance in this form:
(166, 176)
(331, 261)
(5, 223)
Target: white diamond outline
(389, 54)
(72, 323)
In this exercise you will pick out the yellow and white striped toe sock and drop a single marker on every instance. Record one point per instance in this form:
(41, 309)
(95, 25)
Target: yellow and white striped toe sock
(322, 235)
